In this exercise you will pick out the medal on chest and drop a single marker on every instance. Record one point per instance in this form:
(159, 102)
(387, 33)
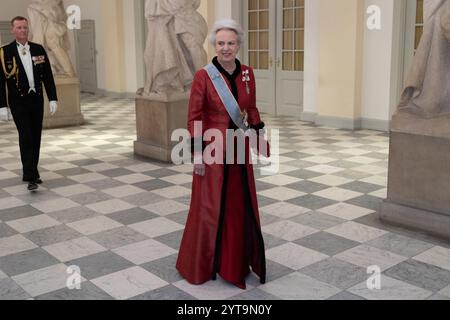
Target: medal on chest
(246, 79)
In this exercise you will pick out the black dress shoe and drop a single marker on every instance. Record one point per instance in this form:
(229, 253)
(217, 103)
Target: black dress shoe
(39, 181)
(32, 186)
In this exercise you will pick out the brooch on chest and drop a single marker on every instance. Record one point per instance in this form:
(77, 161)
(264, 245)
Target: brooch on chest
(246, 79)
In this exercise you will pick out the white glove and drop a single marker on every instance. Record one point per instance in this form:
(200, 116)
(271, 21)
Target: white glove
(5, 114)
(53, 107)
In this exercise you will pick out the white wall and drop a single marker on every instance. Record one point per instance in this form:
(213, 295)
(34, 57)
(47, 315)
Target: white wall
(228, 9)
(10, 9)
(378, 63)
(130, 46)
(311, 73)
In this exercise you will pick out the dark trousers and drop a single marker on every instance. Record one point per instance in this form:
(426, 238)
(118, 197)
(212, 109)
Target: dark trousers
(28, 114)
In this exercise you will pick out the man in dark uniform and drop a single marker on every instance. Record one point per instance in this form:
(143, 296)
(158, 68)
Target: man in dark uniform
(24, 69)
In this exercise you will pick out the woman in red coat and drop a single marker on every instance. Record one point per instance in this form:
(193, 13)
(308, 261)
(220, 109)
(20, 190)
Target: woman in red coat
(223, 231)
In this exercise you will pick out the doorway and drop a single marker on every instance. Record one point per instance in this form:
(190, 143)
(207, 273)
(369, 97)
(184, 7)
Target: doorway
(275, 49)
(86, 56)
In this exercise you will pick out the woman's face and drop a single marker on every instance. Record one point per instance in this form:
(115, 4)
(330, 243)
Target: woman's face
(227, 45)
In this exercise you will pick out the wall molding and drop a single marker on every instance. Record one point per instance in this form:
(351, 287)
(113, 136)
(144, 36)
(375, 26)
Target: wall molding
(376, 124)
(308, 116)
(338, 122)
(115, 95)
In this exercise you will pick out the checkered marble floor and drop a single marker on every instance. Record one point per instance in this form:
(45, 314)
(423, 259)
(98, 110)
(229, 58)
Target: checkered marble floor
(120, 219)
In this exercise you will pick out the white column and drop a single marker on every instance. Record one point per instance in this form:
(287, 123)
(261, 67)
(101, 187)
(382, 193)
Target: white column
(311, 73)
(379, 60)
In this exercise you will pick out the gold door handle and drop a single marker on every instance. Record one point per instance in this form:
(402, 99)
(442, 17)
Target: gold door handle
(270, 61)
(278, 62)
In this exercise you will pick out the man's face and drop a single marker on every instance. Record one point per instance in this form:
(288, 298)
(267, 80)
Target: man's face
(20, 30)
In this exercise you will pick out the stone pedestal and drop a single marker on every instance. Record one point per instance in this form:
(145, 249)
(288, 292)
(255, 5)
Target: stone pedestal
(156, 119)
(69, 110)
(419, 174)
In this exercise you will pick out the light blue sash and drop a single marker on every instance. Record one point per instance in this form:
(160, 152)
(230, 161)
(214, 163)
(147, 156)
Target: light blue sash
(226, 96)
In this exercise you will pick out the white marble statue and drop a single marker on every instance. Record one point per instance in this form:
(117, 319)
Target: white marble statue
(174, 49)
(48, 27)
(427, 92)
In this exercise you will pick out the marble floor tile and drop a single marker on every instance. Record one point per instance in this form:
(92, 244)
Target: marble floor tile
(55, 205)
(337, 273)
(420, 274)
(337, 194)
(297, 286)
(88, 291)
(366, 256)
(145, 251)
(9, 290)
(281, 193)
(346, 211)
(15, 244)
(73, 190)
(172, 192)
(26, 261)
(100, 264)
(294, 256)
(94, 225)
(156, 227)
(391, 289)
(110, 206)
(24, 225)
(119, 237)
(212, 290)
(330, 180)
(123, 191)
(167, 207)
(327, 243)
(73, 249)
(128, 283)
(169, 292)
(42, 281)
(52, 235)
(356, 232)
(401, 245)
(284, 210)
(288, 230)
